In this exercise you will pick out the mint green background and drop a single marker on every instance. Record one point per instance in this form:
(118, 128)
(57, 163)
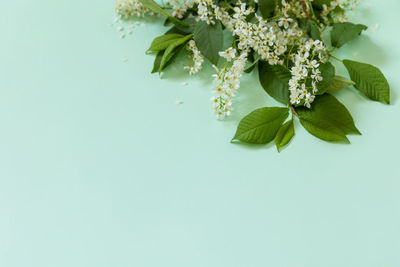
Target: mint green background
(100, 167)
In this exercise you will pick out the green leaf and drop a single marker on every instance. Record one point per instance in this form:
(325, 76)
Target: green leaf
(275, 81)
(320, 3)
(327, 73)
(163, 41)
(369, 80)
(209, 40)
(171, 59)
(261, 125)
(157, 62)
(338, 83)
(328, 119)
(342, 33)
(153, 6)
(284, 135)
(311, 28)
(324, 130)
(267, 8)
(253, 64)
(171, 47)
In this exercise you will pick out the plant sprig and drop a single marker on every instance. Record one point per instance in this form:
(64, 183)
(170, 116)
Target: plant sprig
(283, 40)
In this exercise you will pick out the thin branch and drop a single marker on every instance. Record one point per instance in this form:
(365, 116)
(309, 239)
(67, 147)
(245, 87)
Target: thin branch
(304, 5)
(294, 111)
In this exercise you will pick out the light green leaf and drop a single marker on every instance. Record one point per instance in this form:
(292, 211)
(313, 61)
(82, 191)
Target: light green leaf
(328, 119)
(327, 73)
(342, 33)
(339, 83)
(261, 125)
(209, 40)
(267, 8)
(171, 47)
(275, 81)
(284, 135)
(172, 57)
(163, 41)
(153, 6)
(369, 80)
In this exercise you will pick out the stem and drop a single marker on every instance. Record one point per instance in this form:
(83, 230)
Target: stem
(312, 9)
(294, 111)
(304, 5)
(332, 56)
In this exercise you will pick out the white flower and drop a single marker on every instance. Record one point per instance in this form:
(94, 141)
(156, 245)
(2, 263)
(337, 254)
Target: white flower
(284, 22)
(308, 100)
(129, 8)
(196, 57)
(228, 54)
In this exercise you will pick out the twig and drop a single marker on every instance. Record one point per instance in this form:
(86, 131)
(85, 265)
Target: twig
(332, 56)
(304, 5)
(294, 111)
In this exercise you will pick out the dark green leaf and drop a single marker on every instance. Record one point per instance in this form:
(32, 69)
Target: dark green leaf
(186, 29)
(328, 119)
(275, 81)
(261, 125)
(267, 8)
(284, 135)
(320, 3)
(342, 33)
(157, 62)
(339, 83)
(311, 28)
(253, 64)
(163, 41)
(209, 40)
(327, 73)
(323, 130)
(369, 80)
(153, 6)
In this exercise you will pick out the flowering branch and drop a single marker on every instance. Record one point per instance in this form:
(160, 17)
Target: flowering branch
(284, 42)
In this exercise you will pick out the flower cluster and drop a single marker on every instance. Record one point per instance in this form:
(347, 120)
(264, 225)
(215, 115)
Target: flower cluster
(130, 8)
(305, 71)
(227, 81)
(284, 40)
(206, 10)
(336, 9)
(269, 39)
(278, 40)
(196, 57)
(180, 7)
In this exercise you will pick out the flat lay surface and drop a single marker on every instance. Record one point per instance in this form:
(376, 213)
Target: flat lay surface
(105, 164)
